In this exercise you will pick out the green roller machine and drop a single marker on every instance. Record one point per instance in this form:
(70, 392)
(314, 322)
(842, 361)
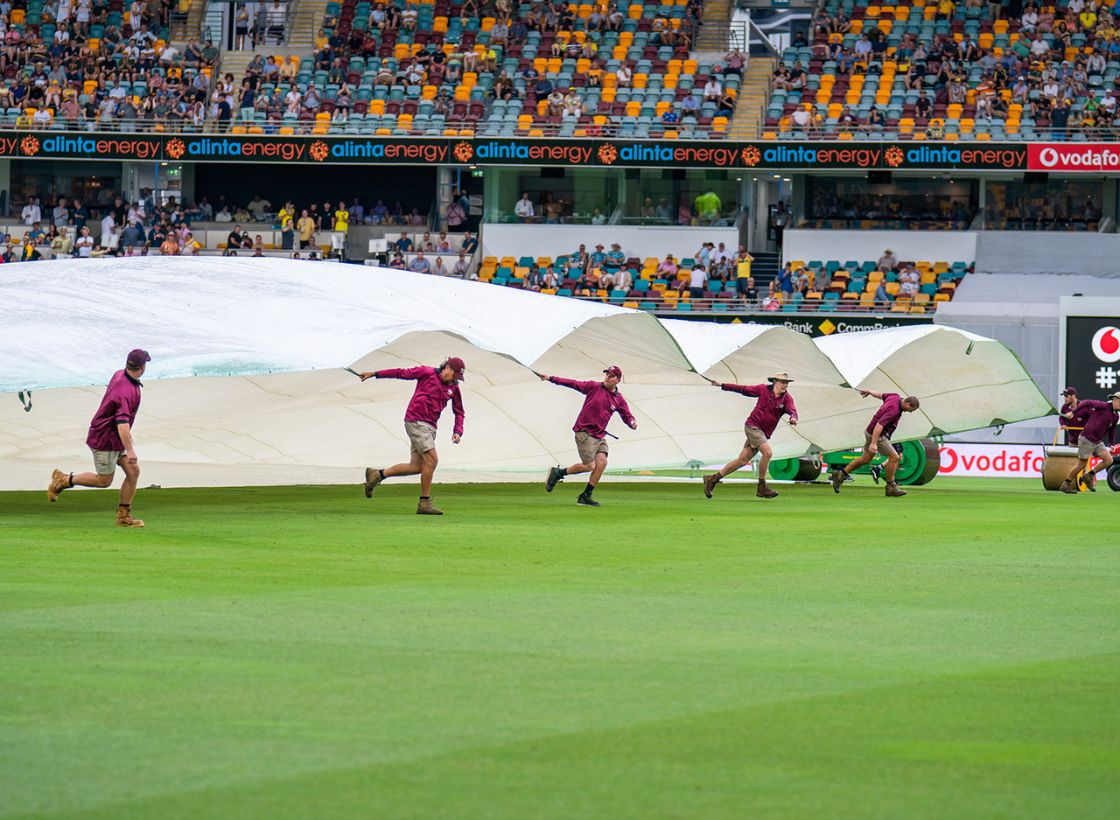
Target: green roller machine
(918, 463)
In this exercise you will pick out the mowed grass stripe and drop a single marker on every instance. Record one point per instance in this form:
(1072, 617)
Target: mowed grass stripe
(303, 651)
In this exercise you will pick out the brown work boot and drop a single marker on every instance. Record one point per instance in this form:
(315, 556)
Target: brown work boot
(373, 478)
(710, 482)
(837, 480)
(765, 492)
(1067, 487)
(894, 491)
(59, 481)
(1090, 481)
(125, 519)
(425, 507)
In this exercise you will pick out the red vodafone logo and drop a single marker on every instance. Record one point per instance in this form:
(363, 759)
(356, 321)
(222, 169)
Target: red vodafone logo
(1106, 344)
(1066, 157)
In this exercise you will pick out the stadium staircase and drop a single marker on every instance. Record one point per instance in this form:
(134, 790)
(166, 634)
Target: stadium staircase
(184, 28)
(307, 20)
(753, 99)
(715, 30)
(765, 268)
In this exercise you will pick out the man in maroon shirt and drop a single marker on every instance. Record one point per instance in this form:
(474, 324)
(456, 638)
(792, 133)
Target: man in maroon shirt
(774, 401)
(877, 438)
(601, 401)
(110, 439)
(435, 387)
(1098, 420)
(1069, 404)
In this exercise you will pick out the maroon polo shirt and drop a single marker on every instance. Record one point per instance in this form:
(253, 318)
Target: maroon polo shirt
(119, 405)
(430, 396)
(769, 409)
(1098, 418)
(599, 404)
(888, 414)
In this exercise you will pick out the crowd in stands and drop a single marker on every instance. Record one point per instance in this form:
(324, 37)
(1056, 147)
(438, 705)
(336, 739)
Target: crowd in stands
(718, 278)
(952, 70)
(495, 67)
(101, 64)
(425, 254)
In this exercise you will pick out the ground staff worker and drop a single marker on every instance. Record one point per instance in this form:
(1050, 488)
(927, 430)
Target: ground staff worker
(110, 440)
(601, 401)
(435, 387)
(877, 438)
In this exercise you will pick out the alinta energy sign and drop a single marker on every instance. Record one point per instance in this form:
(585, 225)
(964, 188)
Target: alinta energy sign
(600, 153)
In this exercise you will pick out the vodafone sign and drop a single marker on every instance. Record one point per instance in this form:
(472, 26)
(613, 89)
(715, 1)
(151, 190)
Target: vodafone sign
(991, 460)
(1062, 156)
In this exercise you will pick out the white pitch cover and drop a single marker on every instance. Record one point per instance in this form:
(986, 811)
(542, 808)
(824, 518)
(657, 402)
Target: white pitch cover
(246, 387)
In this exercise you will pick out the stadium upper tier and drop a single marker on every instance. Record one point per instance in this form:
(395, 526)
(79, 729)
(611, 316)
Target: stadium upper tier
(951, 71)
(432, 68)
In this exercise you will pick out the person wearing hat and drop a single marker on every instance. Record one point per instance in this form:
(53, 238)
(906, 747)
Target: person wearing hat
(1097, 420)
(110, 440)
(877, 438)
(888, 261)
(435, 387)
(774, 401)
(601, 401)
(1069, 404)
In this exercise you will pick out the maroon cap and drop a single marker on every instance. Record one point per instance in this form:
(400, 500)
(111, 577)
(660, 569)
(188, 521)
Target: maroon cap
(458, 365)
(1070, 391)
(614, 370)
(137, 357)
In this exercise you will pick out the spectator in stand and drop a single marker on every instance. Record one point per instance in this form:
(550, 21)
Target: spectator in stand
(697, 279)
(708, 206)
(31, 212)
(524, 208)
(713, 89)
(420, 264)
(888, 261)
(800, 281)
(341, 218)
(909, 281)
(404, 244)
(470, 243)
(84, 244)
(306, 228)
(615, 257)
(785, 282)
(668, 267)
(882, 297)
(439, 269)
(397, 262)
(62, 244)
(821, 280)
(462, 266)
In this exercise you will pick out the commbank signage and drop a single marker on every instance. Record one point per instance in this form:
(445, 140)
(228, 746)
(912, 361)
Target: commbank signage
(600, 153)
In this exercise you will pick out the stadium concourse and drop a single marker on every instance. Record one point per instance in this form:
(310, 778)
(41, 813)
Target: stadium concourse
(260, 397)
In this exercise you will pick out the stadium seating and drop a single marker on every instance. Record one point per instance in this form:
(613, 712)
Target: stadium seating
(852, 286)
(489, 82)
(838, 89)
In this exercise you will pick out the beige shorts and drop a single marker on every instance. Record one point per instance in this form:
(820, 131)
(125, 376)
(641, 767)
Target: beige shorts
(421, 435)
(1086, 449)
(886, 449)
(588, 447)
(755, 438)
(105, 461)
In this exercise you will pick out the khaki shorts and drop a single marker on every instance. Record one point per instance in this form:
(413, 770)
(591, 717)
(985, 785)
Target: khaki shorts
(886, 449)
(588, 447)
(1086, 449)
(755, 438)
(105, 461)
(421, 435)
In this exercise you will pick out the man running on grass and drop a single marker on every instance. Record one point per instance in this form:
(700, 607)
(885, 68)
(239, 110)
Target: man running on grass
(110, 439)
(435, 386)
(877, 438)
(1098, 419)
(602, 400)
(774, 401)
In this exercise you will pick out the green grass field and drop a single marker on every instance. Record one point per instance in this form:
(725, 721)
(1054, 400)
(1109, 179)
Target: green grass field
(303, 652)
